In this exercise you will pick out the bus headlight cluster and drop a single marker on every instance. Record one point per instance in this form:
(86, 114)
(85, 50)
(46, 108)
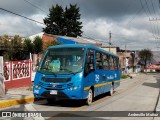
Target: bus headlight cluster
(38, 87)
(74, 88)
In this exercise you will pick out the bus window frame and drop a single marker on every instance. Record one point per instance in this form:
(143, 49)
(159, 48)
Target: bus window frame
(87, 67)
(100, 62)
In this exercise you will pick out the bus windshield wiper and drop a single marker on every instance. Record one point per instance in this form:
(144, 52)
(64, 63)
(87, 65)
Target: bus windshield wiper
(68, 71)
(44, 71)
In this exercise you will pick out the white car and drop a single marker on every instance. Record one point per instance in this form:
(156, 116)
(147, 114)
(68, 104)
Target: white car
(2, 86)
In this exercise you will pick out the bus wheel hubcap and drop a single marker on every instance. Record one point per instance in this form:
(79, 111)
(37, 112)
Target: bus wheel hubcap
(90, 97)
(111, 91)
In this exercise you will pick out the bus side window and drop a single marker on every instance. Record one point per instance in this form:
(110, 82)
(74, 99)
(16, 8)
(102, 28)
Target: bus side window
(105, 60)
(99, 61)
(89, 65)
(116, 60)
(111, 63)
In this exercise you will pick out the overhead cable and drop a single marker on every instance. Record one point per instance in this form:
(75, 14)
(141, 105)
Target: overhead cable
(21, 16)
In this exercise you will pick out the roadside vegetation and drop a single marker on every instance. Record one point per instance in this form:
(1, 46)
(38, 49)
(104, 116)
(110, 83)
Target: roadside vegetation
(124, 76)
(19, 48)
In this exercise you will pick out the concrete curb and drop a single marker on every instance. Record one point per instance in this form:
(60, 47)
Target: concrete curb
(8, 103)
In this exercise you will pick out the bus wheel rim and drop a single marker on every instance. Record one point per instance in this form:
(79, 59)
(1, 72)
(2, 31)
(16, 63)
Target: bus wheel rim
(90, 97)
(111, 91)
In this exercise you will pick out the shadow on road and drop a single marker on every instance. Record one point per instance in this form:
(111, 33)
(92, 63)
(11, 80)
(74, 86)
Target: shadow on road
(69, 103)
(154, 85)
(71, 116)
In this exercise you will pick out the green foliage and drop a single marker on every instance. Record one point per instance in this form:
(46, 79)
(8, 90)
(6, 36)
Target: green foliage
(38, 44)
(17, 52)
(124, 76)
(54, 22)
(72, 18)
(28, 46)
(63, 22)
(145, 56)
(15, 48)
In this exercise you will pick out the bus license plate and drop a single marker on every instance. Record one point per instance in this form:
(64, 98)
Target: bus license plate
(53, 92)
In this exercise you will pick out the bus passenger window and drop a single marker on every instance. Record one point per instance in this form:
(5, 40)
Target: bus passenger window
(111, 63)
(116, 62)
(99, 61)
(105, 60)
(89, 65)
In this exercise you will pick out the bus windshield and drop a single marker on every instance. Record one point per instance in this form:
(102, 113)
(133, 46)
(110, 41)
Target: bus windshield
(62, 61)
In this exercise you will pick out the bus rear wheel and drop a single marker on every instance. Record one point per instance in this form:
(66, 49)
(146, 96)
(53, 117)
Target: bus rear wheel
(90, 97)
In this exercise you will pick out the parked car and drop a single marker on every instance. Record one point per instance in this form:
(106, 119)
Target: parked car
(2, 86)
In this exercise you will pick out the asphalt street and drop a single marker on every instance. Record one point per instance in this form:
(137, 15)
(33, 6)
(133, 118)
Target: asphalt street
(139, 94)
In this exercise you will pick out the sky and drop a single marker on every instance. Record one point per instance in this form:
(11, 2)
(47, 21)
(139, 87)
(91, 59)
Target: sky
(132, 23)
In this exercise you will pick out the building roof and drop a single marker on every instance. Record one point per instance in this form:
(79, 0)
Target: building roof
(82, 40)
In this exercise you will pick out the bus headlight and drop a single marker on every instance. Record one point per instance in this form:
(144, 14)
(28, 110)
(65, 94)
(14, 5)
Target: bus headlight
(70, 89)
(75, 88)
(37, 87)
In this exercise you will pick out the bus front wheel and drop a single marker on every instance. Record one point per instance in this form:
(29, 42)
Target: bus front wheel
(90, 97)
(111, 90)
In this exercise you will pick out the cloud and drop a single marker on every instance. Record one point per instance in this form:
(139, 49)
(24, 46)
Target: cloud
(127, 21)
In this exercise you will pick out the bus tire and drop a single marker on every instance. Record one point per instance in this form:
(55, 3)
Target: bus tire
(50, 100)
(90, 97)
(111, 90)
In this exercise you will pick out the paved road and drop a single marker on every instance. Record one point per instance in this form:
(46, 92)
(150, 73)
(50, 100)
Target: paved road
(137, 94)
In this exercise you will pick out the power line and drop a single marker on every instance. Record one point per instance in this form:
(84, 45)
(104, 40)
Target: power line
(153, 7)
(146, 3)
(144, 8)
(148, 14)
(134, 16)
(21, 16)
(35, 6)
(155, 15)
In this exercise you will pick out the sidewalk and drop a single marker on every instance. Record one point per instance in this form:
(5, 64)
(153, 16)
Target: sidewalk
(17, 96)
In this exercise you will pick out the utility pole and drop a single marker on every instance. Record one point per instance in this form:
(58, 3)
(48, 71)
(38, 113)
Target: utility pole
(125, 59)
(109, 40)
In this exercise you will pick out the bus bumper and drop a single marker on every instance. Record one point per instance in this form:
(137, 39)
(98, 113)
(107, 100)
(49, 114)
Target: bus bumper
(58, 94)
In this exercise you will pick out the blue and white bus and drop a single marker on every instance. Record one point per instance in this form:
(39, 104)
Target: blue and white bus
(76, 71)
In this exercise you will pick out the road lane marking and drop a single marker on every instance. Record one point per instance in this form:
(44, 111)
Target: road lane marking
(29, 107)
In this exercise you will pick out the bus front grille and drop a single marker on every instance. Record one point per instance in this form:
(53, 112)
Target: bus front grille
(55, 86)
(56, 80)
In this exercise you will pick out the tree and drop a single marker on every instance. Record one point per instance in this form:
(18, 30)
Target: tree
(17, 51)
(72, 17)
(55, 21)
(145, 56)
(38, 44)
(28, 46)
(63, 22)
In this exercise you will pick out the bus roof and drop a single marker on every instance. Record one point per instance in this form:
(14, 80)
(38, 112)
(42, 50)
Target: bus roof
(82, 45)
